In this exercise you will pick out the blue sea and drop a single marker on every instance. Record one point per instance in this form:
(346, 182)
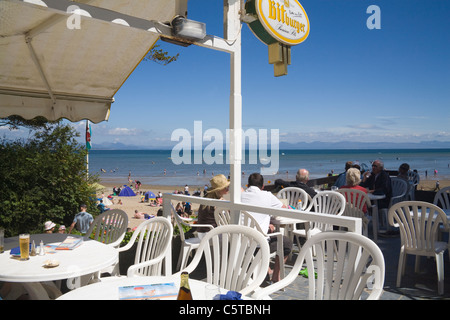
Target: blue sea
(157, 167)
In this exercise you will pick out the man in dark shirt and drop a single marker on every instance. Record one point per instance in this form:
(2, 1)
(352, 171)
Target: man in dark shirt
(378, 182)
(301, 179)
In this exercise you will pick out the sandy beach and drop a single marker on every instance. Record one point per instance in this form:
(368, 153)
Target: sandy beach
(130, 204)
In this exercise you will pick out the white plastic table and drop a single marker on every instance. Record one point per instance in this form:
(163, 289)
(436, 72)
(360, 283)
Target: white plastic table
(90, 257)
(108, 289)
(375, 220)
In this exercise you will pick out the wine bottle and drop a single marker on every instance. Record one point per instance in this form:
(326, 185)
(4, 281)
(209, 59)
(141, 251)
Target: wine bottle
(185, 290)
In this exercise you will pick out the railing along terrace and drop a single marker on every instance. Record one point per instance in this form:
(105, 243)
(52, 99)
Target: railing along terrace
(352, 224)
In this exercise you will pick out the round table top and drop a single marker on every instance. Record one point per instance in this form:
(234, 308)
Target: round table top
(91, 256)
(108, 288)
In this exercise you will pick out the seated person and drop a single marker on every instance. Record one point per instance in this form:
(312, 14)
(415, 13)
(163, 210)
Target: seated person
(301, 179)
(180, 210)
(49, 227)
(378, 182)
(219, 188)
(187, 207)
(341, 180)
(102, 207)
(255, 195)
(403, 172)
(353, 179)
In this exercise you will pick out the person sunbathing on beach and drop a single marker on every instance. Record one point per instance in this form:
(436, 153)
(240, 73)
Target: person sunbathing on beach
(142, 215)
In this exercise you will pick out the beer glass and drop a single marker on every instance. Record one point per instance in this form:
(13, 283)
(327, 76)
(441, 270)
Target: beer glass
(24, 244)
(2, 240)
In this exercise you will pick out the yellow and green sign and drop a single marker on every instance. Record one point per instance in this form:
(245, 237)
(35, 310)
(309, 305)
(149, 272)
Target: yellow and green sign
(283, 21)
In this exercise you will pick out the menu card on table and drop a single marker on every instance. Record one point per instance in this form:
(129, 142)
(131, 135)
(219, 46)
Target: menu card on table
(148, 291)
(70, 243)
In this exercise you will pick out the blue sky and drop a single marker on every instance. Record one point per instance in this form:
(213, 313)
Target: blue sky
(346, 82)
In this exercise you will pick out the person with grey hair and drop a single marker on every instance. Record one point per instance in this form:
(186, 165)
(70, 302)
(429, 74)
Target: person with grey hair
(301, 180)
(378, 182)
(353, 179)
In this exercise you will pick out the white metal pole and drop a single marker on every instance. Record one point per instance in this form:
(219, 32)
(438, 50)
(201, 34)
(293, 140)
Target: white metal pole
(232, 30)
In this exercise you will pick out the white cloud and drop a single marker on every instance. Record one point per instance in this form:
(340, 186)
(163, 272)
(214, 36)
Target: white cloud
(124, 132)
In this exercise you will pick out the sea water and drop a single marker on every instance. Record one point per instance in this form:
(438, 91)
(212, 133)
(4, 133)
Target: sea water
(157, 167)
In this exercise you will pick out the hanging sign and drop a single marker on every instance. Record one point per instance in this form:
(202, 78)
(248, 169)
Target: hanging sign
(283, 21)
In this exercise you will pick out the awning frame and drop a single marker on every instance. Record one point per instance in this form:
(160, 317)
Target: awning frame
(234, 11)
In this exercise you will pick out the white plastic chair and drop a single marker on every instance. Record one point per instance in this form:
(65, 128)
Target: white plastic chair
(155, 238)
(222, 218)
(414, 180)
(399, 194)
(248, 220)
(187, 244)
(419, 225)
(349, 266)
(355, 202)
(237, 258)
(399, 190)
(293, 194)
(442, 198)
(109, 227)
(329, 202)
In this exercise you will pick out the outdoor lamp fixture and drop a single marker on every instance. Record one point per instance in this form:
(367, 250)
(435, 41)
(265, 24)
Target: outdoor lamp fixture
(186, 31)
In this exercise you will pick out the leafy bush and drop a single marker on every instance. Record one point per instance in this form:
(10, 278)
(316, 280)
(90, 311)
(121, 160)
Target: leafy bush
(43, 178)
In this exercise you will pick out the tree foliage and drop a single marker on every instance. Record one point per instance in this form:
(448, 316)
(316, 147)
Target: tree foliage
(160, 56)
(43, 178)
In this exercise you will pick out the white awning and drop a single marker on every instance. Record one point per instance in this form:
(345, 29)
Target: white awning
(51, 68)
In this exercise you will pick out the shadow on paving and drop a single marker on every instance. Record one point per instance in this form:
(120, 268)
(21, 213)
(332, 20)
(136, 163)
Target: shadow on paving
(420, 286)
(414, 286)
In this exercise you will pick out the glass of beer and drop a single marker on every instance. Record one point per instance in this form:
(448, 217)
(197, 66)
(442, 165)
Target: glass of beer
(2, 240)
(24, 244)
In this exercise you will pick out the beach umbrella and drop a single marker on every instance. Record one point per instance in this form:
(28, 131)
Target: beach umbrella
(98, 186)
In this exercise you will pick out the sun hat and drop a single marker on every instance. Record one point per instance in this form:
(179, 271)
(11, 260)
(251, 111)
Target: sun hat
(48, 225)
(62, 227)
(218, 182)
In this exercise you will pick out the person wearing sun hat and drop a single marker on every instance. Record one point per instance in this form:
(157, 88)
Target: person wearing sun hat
(49, 226)
(219, 187)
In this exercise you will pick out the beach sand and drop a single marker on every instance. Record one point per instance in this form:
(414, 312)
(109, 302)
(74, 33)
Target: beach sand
(130, 204)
